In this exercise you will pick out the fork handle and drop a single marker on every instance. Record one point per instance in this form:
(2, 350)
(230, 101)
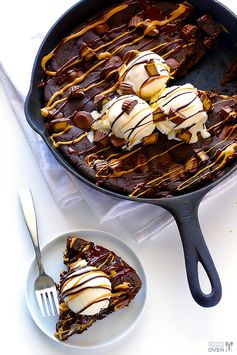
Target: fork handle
(28, 208)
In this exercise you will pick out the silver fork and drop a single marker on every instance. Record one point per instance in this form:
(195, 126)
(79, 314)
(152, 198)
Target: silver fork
(45, 289)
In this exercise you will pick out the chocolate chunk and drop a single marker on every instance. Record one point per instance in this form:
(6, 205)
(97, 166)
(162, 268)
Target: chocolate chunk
(61, 78)
(73, 74)
(188, 31)
(102, 28)
(172, 63)
(208, 25)
(117, 142)
(151, 69)
(151, 139)
(59, 124)
(126, 88)
(101, 138)
(83, 120)
(172, 28)
(141, 163)
(228, 113)
(191, 165)
(129, 56)
(176, 171)
(128, 105)
(135, 20)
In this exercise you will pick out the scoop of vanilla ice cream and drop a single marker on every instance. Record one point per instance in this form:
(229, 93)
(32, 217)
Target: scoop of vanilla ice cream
(86, 289)
(145, 80)
(183, 110)
(128, 117)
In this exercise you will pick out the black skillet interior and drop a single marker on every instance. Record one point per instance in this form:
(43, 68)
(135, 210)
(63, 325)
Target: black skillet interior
(206, 75)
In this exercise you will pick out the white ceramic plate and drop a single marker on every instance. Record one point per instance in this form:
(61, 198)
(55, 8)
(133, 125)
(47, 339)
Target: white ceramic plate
(105, 331)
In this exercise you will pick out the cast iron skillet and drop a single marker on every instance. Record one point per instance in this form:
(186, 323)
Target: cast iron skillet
(184, 208)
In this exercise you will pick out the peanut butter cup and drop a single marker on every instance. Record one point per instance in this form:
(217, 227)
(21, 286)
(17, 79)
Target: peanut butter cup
(114, 113)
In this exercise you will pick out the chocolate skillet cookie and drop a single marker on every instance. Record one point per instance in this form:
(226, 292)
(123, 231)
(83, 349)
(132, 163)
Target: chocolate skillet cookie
(111, 114)
(97, 283)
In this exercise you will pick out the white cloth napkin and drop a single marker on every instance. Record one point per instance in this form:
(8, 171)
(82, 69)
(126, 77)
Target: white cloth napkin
(18, 51)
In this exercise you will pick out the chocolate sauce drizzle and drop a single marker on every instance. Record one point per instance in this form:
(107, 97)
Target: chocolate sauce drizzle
(135, 38)
(124, 280)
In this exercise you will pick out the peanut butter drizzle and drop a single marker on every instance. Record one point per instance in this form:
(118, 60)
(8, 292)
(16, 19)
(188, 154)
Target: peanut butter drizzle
(120, 173)
(82, 77)
(73, 141)
(72, 242)
(59, 134)
(80, 33)
(175, 14)
(74, 82)
(106, 260)
(164, 44)
(225, 154)
(100, 22)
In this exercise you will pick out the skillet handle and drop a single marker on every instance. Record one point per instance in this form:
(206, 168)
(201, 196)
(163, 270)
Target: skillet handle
(196, 251)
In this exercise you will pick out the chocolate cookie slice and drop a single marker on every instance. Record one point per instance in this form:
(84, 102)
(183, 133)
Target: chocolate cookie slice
(97, 282)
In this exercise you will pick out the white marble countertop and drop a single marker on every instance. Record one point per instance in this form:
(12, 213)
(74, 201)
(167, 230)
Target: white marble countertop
(172, 323)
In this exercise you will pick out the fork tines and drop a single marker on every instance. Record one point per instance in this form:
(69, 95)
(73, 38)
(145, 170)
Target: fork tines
(48, 300)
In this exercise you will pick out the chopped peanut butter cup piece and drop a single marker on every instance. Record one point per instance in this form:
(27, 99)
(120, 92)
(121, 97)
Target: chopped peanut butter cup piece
(101, 166)
(100, 100)
(128, 105)
(135, 21)
(116, 141)
(202, 156)
(188, 31)
(158, 115)
(86, 52)
(129, 56)
(151, 139)
(59, 124)
(191, 165)
(126, 88)
(228, 113)
(206, 101)
(185, 136)
(151, 69)
(101, 138)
